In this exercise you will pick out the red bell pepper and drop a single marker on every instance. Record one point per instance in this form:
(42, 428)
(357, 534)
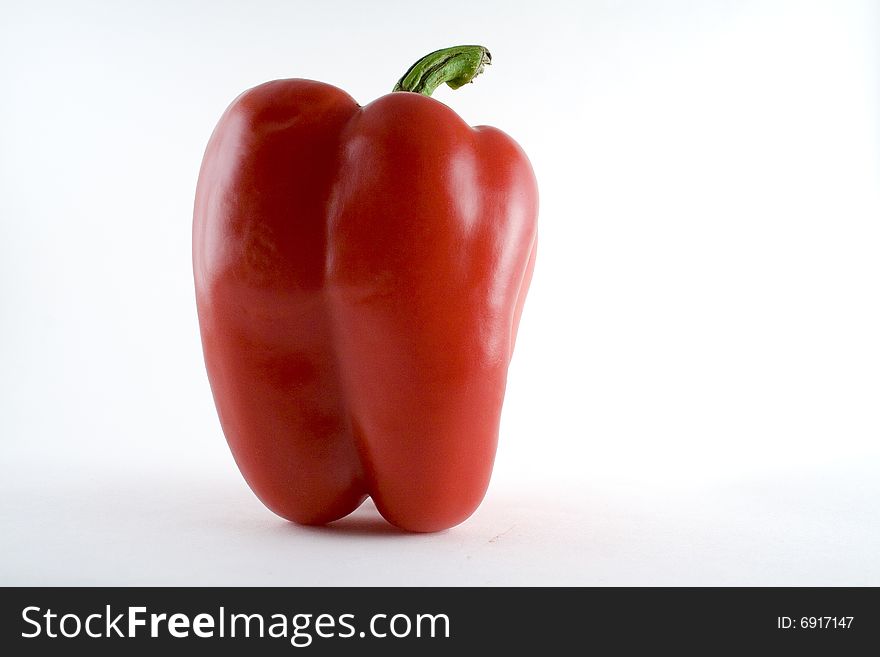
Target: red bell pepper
(360, 274)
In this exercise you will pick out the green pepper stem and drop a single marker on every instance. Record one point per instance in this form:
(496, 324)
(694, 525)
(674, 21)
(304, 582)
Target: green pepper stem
(454, 66)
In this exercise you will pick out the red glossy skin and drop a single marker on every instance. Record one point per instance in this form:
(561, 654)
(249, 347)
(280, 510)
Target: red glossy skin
(360, 273)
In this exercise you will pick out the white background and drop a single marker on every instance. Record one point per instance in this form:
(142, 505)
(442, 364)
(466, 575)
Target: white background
(695, 397)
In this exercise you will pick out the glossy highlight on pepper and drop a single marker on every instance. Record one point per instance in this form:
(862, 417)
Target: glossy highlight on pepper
(360, 273)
